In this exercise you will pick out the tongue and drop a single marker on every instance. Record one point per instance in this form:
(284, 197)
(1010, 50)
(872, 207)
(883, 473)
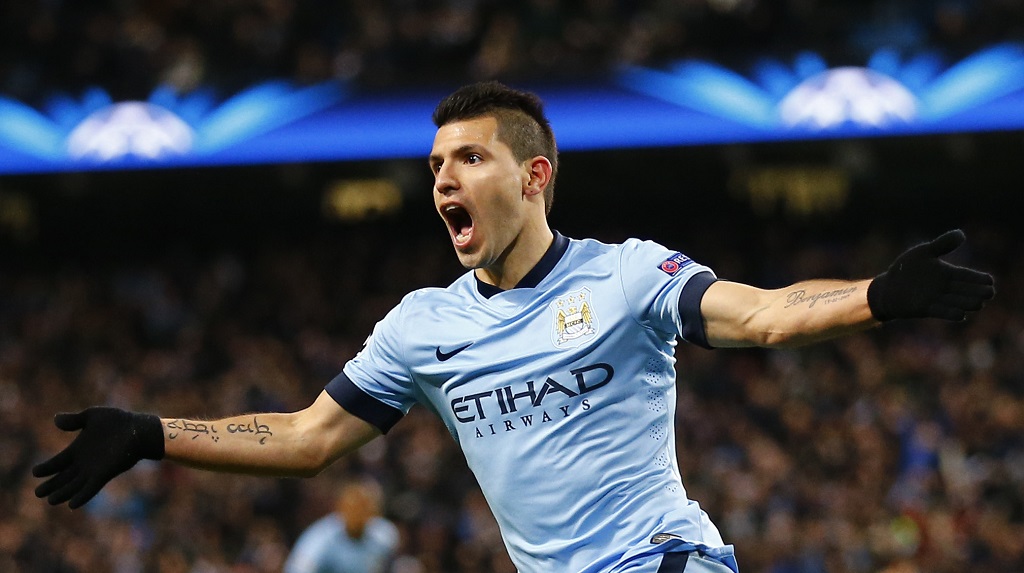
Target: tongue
(464, 231)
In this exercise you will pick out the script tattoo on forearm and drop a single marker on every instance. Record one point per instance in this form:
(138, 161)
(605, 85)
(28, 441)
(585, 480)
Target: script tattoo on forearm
(800, 297)
(191, 429)
(262, 431)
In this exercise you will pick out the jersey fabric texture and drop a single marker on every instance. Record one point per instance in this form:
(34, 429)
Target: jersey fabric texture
(561, 394)
(325, 547)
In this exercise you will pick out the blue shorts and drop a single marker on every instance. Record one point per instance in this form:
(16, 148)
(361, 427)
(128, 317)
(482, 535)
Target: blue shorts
(693, 558)
(692, 562)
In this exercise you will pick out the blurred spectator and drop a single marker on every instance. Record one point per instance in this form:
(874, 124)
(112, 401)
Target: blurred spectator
(352, 539)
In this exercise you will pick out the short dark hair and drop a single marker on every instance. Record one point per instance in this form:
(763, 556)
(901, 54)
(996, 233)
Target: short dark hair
(522, 125)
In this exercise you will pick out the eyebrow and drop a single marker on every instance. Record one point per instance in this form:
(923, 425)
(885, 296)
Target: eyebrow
(461, 150)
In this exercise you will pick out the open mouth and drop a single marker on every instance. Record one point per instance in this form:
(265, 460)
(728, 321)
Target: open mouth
(460, 222)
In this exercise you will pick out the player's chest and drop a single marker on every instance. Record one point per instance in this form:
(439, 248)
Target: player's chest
(515, 335)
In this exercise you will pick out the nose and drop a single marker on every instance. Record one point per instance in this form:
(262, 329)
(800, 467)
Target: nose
(445, 180)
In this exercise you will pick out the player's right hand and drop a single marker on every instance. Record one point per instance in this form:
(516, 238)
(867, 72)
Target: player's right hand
(109, 442)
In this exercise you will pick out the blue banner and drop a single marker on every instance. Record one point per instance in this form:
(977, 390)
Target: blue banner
(686, 103)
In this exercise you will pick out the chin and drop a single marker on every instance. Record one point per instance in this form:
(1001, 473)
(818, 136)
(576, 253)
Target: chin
(467, 260)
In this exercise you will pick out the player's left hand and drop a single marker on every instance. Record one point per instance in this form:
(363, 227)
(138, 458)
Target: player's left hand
(919, 284)
(110, 441)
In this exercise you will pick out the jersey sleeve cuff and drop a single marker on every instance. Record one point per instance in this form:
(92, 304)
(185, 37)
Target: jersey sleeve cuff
(361, 405)
(689, 308)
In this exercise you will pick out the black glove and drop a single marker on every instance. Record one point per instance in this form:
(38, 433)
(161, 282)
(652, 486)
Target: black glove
(111, 441)
(919, 285)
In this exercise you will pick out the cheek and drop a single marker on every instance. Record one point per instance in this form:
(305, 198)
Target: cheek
(500, 210)
(510, 195)
(498, 200)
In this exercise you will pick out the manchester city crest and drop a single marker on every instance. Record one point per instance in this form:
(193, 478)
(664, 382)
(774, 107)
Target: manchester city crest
(575, 320)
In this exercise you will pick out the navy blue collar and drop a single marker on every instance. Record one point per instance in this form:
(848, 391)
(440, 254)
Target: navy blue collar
(537, 273)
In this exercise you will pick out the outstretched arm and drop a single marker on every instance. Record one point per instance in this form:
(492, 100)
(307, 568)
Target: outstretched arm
(918, 284)
(277, 444)
(111, 441)
(740, 315)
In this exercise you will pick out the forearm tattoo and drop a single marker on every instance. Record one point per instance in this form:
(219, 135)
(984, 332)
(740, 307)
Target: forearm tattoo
(800, 297)
(181, 428)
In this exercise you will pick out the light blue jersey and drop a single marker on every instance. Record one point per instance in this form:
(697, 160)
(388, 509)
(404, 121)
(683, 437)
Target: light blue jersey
(325, 547)
(561, 393)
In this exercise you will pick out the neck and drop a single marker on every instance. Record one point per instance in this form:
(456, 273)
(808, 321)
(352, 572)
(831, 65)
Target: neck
(521, 256)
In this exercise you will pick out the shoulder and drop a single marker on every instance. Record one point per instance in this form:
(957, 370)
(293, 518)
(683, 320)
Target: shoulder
(584, 249)
(383, 532)
(326, 527)
(454, 293)
(642, 245)
(632, 255)
(631, 251)
(595, 246)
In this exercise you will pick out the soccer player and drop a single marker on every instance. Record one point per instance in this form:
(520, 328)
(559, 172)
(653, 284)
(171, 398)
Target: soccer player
(354, 538)
(550, 361)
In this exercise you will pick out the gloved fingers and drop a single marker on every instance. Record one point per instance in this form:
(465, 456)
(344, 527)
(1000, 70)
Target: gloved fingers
(87, 492)
(963, 302)
(946, 242)
(966, 275)
(55, 464)
(70, 422)
(67, 490)
(971, 289)
(944, 312)
(56, 482)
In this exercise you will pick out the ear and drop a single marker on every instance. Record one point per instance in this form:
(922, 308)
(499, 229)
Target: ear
(537, 175)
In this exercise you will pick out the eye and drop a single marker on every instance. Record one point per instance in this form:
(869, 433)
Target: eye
(473, 158)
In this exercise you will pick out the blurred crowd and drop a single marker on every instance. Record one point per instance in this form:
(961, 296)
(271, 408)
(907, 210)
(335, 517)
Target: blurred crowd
(131, 46)
(898, 450)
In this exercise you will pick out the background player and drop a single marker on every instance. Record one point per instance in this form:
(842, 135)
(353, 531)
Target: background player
(354, 538)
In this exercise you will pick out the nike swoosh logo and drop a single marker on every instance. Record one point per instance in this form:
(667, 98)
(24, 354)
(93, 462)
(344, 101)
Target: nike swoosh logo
(442, 356)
